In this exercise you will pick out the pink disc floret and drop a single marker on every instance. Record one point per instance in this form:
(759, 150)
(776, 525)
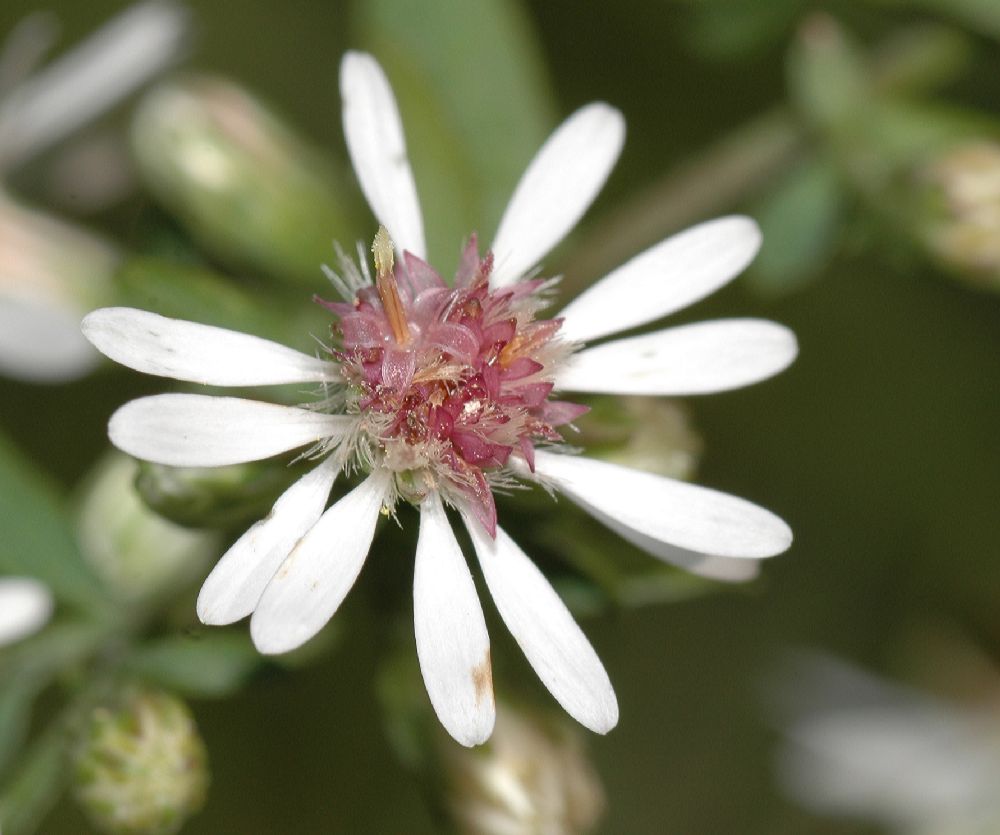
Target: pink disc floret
(450, 381)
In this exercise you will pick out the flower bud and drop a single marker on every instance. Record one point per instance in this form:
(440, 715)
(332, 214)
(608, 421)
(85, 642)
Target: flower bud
(140, 765)
(212, 497)
(962, 187)
(51, 273)
(134, 550)
(243, 183)
(532, 776)
(642, 433)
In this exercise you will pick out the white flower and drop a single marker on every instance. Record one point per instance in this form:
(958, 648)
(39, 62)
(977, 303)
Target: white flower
(51, 273)
(440, 392)
(869, 749)
(25, 607)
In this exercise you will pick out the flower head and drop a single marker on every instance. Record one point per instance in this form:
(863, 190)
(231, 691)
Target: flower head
(438, 393)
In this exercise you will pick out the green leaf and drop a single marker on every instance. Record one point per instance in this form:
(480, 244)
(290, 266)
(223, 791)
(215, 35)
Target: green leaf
(35, 788)
(204, 665)
(801, 220)
(476, 105)
(982, 16)
(37, 533)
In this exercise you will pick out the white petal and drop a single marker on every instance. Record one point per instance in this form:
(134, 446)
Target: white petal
(726, 569)
(541, 624)
(668, 277)
(197, 353)
(94, 76)
(314, 579)
(452, 643)
(701, 358)
(559, 185)
(25, 607)
(41, 342)
(375, 141)
(196, 430)
(666, 510)
(238, 580)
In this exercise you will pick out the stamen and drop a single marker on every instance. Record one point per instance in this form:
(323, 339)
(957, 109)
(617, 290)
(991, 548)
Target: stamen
(385, 284)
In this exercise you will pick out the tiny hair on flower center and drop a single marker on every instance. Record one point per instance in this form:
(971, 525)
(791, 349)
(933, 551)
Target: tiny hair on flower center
(448, 382)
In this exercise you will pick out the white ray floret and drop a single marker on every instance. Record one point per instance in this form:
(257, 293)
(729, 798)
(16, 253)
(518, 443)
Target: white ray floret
(666, 278)
(25, 607)
(375, 141)
(702, 358)
(316, 576)
(197, 430)
(234, 587)
(557, 188)
(550, 639)
(674, 512)
(726, 569)
(197, 353)
(452, 643)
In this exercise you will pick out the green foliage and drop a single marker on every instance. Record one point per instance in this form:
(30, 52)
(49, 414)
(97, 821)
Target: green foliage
(205, 665)
(38, 536)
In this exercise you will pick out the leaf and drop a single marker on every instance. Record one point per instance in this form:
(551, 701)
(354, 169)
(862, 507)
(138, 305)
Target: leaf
(36, 786)
(204, 665)
(801, 221)
(983, 16)
(476, 105)
(27, 667)
(38, 535)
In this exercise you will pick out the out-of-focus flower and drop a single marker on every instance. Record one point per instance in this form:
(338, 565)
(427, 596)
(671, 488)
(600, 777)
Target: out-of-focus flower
(861, 747)
(141, 767)
(532, 778)
(125, 53)
(51, 273)
(440, 393)
(963, 229)
(135, 551)
(25, 607)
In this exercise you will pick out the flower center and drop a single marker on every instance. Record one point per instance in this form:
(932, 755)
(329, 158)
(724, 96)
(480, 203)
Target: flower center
(448, 382)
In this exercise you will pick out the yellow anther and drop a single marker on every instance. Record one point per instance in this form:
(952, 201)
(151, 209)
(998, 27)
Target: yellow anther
(382, 250)
(385, 284)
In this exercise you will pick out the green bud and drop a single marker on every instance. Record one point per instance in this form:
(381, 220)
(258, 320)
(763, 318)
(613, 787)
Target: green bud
(51, 274)
(135, 551)
(243, 183)
(643, 433)
(140, 766)
(213, 497)
(961, 224)
(532, 776)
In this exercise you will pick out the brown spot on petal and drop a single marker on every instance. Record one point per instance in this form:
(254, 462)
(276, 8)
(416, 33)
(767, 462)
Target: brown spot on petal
(482, 679)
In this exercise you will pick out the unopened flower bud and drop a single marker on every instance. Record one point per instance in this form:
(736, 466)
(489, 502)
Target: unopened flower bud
(644, 434)
(51, 274)
(242, 181)
(533, 776)
(141, 766)
(133, 549)
(212, 497)
(963, 230)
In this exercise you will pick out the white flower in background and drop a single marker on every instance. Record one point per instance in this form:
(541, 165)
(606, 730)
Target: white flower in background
(121, 56)
(25, 607)
(860, 747)
(51, 273)
(439, 393)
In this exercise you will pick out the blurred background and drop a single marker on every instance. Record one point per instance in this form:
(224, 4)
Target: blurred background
(863, 135)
